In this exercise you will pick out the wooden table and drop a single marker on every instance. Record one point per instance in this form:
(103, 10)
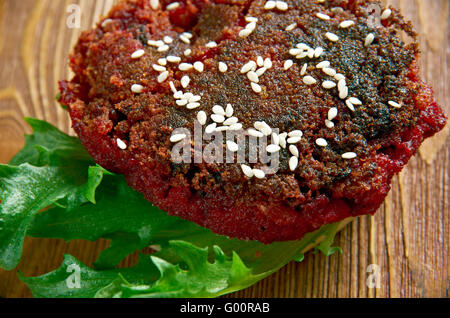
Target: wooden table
(408, 237)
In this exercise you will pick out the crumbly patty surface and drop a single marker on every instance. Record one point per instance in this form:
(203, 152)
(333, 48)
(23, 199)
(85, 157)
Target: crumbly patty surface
(337, 71)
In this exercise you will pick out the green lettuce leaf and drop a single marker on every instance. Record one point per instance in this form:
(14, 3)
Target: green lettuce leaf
(52, 168)
(53, 189)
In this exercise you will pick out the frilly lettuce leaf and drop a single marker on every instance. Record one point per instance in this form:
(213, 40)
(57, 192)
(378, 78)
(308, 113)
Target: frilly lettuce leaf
(53, 189)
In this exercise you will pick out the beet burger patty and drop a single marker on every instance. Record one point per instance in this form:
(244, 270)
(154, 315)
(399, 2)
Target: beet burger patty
(289, 115)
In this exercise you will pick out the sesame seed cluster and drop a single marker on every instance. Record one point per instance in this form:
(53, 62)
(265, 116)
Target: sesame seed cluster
(301, 54)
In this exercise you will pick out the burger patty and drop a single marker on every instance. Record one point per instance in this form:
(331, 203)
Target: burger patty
(330, 84)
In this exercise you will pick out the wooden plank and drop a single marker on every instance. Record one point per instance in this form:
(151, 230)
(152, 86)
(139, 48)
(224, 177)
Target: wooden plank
(408, 238)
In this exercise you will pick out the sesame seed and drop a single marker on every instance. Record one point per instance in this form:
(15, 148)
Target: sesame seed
(199, 67)
(288, 64)
(155, 43)
(121, 144)
(163, 48)
(343, 93)
(386, 14)
(251, 26)
(229, 110)
(311, 53)
(294, 140)
(158, 68)
(355, 101)
(222, 67)
(329, 71)
(339, 77)
(211, 44)
(217, 109)
(349, 155)
(187, 52)
(282, 140)
(302, 46)
(106, 22)
(162, 61)
(304, 69)
(237, 126)
(167, 39)
(295, 51)
(251, 19)
(188, 96)
(323, 16)
(247, 171)
(256, 88)
(185, 81)
(177, 137)
(255, 133)
(275, 139)
(302, 55)
(295, 133)
(332, 113)
(210, 128)
(185, 66)
(328, 84)
(293, 163)
(261, 71)
(173, 6)
(187, 34)
(273, 148)
(291, 27)
(269, 5)
(172, 87)
(329, 123)
(394, 104)
(218, 118)
(185, 39)
(222, 128)
(263, 127)
(294, 150)
(309, 80)
(154, 4)
(173, 59)
(281, 5)
(350, 105)
(250, 66)
(182, 102)
(332, 37)
(346, 24)
(178, 94)
(136, 88)
(267, 63)
(252, 76)
(342, 84)
(137, 54)
(260, 61)
(201, 117)
(369, 39)
(163, 76)
(230, 121)
(258, 173)
(318, 52)
(245, 33)
(321, 142)
(195, 98)
(232, 146)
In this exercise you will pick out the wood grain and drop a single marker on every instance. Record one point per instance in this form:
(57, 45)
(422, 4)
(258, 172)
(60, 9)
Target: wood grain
(408, 237)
